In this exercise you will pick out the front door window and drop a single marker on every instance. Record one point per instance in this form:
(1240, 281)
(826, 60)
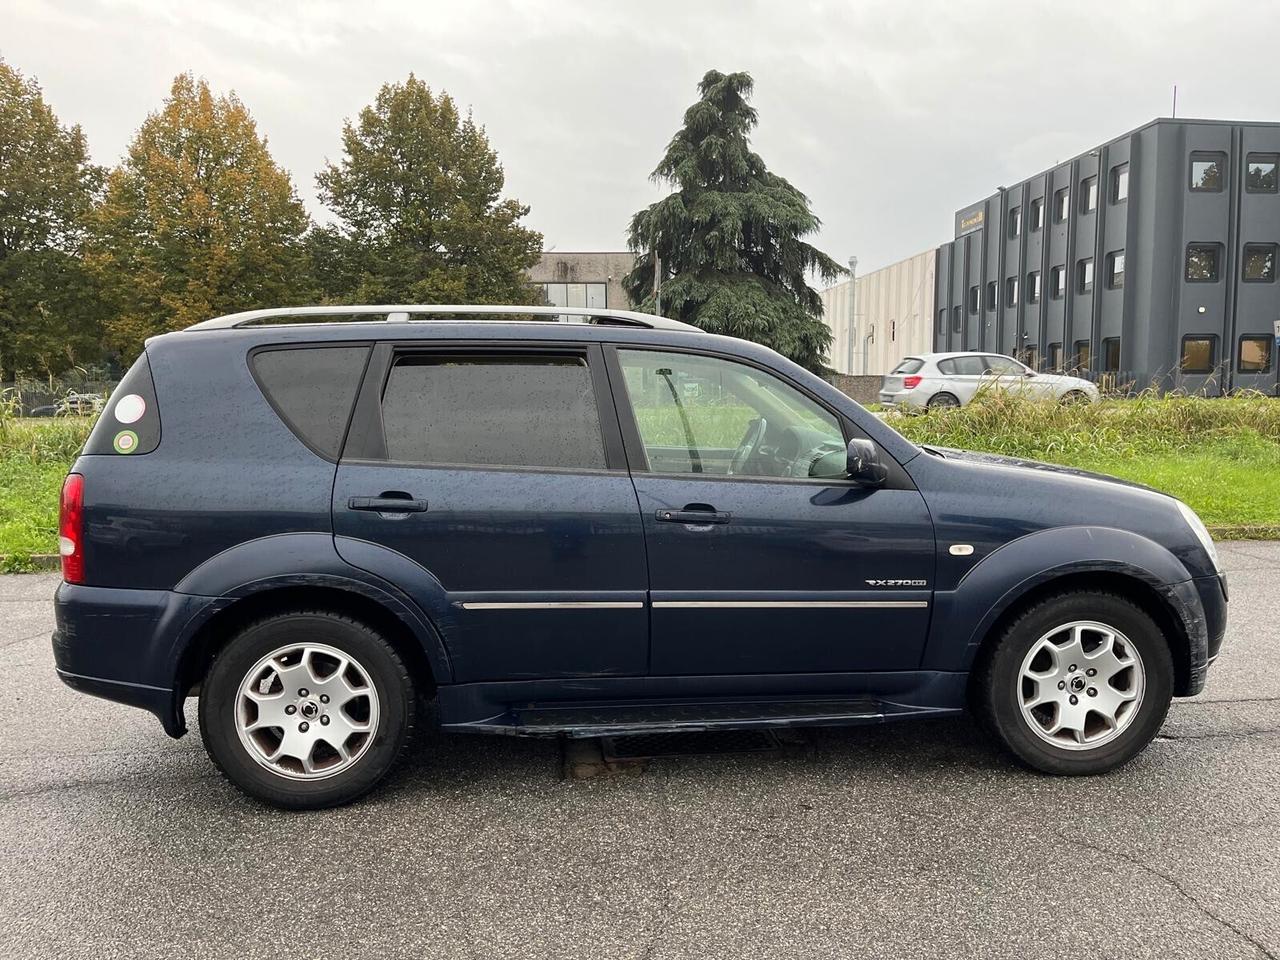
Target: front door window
(704, 415)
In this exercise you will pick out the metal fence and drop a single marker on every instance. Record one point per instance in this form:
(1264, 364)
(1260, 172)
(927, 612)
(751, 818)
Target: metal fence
(28, 398)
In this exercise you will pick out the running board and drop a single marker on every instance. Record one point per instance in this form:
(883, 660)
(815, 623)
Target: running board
(601, 720)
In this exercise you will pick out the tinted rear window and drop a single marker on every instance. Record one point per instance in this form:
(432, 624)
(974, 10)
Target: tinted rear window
(909, 365)
(313, 389)
(493, 411)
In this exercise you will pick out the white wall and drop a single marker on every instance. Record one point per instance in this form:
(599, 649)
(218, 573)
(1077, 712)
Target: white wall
(894, 304)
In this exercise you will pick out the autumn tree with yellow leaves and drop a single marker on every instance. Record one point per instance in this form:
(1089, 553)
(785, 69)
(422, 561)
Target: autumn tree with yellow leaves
(198, 220)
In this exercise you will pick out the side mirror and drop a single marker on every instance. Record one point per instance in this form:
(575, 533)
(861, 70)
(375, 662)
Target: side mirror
(864, 464)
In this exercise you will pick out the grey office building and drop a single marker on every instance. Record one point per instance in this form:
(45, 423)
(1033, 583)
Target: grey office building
(1151, 258)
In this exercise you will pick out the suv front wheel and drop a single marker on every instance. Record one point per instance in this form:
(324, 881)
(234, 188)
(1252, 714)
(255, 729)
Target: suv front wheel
(1079, 683)
(306, 709)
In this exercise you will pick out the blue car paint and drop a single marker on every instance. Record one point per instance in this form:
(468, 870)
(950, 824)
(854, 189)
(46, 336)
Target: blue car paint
(232, 505)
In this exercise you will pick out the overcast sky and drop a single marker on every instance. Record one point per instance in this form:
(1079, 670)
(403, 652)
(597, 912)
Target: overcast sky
(889, 115)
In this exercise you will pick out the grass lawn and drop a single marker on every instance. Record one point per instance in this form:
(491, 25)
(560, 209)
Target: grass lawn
(1222, 456)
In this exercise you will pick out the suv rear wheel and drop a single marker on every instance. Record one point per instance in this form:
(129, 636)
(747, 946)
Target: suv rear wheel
(306, 709)
(1078, 684)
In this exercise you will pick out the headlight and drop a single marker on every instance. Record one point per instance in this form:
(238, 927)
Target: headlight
(1202, 533)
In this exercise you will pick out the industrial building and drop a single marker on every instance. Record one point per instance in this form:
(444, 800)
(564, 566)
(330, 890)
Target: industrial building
(1148, 259)
(880, 317)
(583, 279)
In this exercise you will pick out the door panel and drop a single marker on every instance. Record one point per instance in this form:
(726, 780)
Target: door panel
(531, 527)
(756, 563)
(783, 585)
(544, 572)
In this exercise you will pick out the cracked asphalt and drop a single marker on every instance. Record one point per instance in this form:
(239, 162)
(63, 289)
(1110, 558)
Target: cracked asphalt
(909, 840)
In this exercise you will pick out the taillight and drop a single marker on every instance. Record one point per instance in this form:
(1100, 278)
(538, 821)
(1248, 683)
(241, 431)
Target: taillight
(911, 382)
(71, 528)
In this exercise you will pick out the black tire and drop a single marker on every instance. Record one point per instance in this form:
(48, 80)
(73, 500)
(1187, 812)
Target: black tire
(943, 401)
(1074, 397)
(997, 682)
(385, 669)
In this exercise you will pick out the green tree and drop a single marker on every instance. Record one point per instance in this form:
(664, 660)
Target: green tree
(418, 194)
(197, 221)
(48, 310)
(729, 236)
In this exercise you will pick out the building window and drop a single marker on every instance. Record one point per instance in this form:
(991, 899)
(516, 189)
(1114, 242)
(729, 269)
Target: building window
(1260, 172)
(1033, 286)
(1207, 172)
(974, 294)
(1197, 353)
(1057, 282)
(1111, 355)
(1081, 361)
(991, 294)
(1202, 262)
(957, 319)
(1255, 355)
(575, 294)
(1084, 275)
(1011, 292)
(1115, 269)
(1259, 263)
(1088, 194)
(1030, 356)
(1120, 183)
(1015, 222)
(1061, 205)
(893, 329)
(1054, 357)
(942, 322)
(1037, 214)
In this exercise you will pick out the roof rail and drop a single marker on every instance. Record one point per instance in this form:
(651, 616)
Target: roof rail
(401, 313)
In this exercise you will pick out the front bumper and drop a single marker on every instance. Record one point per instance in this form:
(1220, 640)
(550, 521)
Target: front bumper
(121, 645)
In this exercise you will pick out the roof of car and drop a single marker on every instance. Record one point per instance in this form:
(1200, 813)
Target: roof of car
(454, 313)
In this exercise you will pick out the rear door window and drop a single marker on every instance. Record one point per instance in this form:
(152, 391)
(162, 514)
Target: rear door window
(313, 390)
(970, 365)
(519, 411)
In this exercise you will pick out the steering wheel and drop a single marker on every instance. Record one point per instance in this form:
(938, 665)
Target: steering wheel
(747, 446)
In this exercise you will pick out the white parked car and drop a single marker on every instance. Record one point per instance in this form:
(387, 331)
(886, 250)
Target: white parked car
(952, 379)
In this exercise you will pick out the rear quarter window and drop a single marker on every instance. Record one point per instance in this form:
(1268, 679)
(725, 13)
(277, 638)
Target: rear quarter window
(312, 389)
(130, 422)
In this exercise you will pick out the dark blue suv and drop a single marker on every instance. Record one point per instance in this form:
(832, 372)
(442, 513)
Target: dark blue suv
(609, 526)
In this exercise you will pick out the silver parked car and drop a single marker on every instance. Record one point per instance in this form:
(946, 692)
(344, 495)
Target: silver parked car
(952, 379)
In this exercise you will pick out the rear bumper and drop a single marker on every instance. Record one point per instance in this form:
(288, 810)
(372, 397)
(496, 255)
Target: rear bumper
(899, 398)
(120, 645)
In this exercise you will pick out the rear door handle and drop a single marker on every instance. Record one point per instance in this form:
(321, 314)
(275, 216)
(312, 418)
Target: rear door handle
(693, 516)
(387, 504)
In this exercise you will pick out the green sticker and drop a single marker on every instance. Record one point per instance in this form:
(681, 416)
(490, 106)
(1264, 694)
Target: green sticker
(126, 441)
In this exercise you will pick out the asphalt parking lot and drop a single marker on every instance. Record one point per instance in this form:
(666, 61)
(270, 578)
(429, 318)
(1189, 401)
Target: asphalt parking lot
(913, 840)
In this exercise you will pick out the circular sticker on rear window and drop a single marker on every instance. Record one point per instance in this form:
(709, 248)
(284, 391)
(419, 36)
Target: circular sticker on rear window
(126, 441)
(129, 409)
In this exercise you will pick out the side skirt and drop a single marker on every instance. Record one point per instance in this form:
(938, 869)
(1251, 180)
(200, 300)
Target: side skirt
(626, 705)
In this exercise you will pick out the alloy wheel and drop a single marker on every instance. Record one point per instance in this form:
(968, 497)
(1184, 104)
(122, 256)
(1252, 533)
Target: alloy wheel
(1081, 685)
(306, 711)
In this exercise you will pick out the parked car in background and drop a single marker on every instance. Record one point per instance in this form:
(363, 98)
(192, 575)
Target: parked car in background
(953, 379)
(619, 526)
(72, 405)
